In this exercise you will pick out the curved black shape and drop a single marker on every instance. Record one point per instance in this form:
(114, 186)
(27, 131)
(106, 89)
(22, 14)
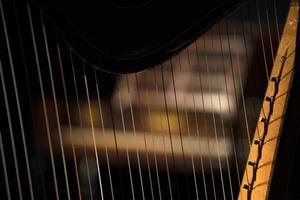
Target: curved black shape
(123, 36)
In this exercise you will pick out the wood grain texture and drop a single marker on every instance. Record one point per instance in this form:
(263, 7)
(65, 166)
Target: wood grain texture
(265, 166)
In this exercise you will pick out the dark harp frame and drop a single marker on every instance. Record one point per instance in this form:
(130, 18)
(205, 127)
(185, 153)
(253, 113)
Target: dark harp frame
(142, 61)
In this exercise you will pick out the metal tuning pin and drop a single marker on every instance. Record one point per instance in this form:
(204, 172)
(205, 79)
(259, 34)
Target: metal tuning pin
(283, 58)
(263, 119)
(270, 99)
(246, 186)
(252, 163)
(275, 79)
(257, 142)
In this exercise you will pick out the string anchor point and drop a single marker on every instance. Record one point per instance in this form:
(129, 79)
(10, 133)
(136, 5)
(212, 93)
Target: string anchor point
(263, 119)
(253, 164)
(258, 141)
(270, 99)
(275, 79)
(246, 187)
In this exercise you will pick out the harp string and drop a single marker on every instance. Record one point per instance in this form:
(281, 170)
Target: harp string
(11, 63)
(230, 112)
(206, 125)
(161, 127)
(241, 87)
(188, 129)
(104, 134)
(276, 20)
(197, 126)
(179, 123)
(262, 38)
(127, 153)
(269, 30)
(214, 117)
(222, 132)
(56, 108)
(69, 119)
(43, 101)
(81, 123)
(221, 116)
(21, 42)
(143, 128)
(234, 83)
(134, 132)
(151, 130)
(166, 111)
(116, 145)
(4, 166)
(177, 112)
(248, 66)
(93, 130)
(254, 104)
(265, 57)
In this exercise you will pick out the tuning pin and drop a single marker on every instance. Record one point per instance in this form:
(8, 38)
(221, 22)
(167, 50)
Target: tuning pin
(252, 163)
(269, 99)
(263, 119)
(283, 58)
(246, 186)
(275, 79)
(257, 142)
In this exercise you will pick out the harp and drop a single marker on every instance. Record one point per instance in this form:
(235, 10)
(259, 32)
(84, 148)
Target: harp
(201, 106)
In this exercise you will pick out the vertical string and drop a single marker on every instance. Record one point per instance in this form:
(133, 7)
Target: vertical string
(18, 104)
(151, 131)
(168, 123)
(222, 120)
(214, 123)
(229, 107)
(240, 77)
(26, 74)
(188, 128)
(179, 124)
(146, 148)
(56, 108)
(248, 63)
(18, 108)
(43, 101)
(276, 20)
(69, 119)
(269, 31)
(177, 112)
(262, 39)
(196, 121)
(167, 113)
(4, 167)
(205, 126)
(104, 134)
(127, 154)
(252, 38)
(117, 150)
(134, 132)
(81, 125)
(233, 79)
(11, 132)
(93, 130)
(161, 127)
